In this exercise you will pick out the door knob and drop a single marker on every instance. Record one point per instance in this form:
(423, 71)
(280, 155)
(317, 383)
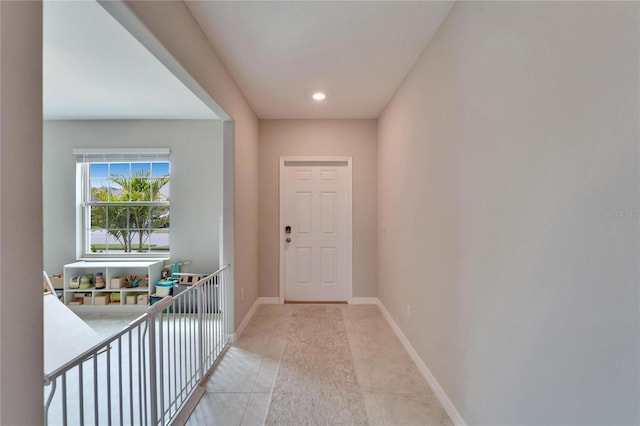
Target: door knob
(288, 239)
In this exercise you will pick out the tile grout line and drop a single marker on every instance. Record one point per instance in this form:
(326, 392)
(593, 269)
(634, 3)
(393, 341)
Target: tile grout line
(349, 336)
(273, 385)
(273, 382)
(373, 392)
(244, 413)
(256, 378)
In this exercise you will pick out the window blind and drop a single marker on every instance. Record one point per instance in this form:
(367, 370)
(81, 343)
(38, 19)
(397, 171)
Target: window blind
(124, 155)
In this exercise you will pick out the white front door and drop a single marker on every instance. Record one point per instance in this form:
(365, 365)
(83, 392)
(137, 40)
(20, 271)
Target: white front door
(315, 230)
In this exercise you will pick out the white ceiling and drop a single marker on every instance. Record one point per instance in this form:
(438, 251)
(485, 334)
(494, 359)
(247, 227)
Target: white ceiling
(281, 52)
(94, 69)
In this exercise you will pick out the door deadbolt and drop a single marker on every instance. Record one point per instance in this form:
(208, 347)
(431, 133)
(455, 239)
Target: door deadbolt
(287, 229)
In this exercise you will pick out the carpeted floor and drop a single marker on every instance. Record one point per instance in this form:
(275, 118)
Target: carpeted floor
(316, 382)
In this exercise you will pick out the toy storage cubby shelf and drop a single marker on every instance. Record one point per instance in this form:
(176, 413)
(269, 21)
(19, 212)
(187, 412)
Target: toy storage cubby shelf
(111, 270)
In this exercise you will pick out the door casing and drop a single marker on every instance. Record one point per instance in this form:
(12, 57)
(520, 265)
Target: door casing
(284, 161)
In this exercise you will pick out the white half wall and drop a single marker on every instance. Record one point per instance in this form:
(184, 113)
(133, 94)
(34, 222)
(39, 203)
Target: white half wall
(508, 211)
(196, 182)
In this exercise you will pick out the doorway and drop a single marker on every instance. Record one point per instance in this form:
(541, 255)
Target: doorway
(316, 229)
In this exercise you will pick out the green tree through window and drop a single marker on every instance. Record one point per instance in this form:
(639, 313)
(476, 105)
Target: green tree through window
(126, 210)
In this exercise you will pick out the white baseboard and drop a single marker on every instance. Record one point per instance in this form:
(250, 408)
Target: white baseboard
(269, 300)
(364, 301)
(259, 301)
(189, 407)
(451, 410)
(233, 337)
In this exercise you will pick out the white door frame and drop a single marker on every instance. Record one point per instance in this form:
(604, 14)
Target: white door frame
(348, 211)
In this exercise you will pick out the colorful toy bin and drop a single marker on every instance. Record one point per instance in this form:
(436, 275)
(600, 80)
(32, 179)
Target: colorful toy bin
(163, 288)
(155, 299)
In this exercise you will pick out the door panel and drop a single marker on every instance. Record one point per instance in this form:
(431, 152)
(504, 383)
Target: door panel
(328, 175)
(315, 208)
(303, 213)
(329, 266)
(304, 266)
(303, 175)
(328, 213)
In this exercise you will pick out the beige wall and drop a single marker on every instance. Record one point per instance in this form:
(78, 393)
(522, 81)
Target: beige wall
(188, 45)
(508, 187)
(354, 138)
(21, 352)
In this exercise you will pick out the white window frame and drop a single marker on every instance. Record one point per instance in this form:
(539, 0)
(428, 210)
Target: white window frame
(84, 157)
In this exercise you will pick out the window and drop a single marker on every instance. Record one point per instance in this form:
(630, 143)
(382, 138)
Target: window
(125, 208)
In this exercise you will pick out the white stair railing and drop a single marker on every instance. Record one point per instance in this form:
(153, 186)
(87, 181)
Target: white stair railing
(145, 373)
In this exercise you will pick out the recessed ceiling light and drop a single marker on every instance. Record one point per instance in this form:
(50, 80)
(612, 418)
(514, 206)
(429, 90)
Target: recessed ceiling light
(318, 96)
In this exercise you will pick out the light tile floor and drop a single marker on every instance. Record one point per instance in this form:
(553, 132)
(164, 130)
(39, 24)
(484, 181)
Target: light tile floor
(394, 392)
(108, 323)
